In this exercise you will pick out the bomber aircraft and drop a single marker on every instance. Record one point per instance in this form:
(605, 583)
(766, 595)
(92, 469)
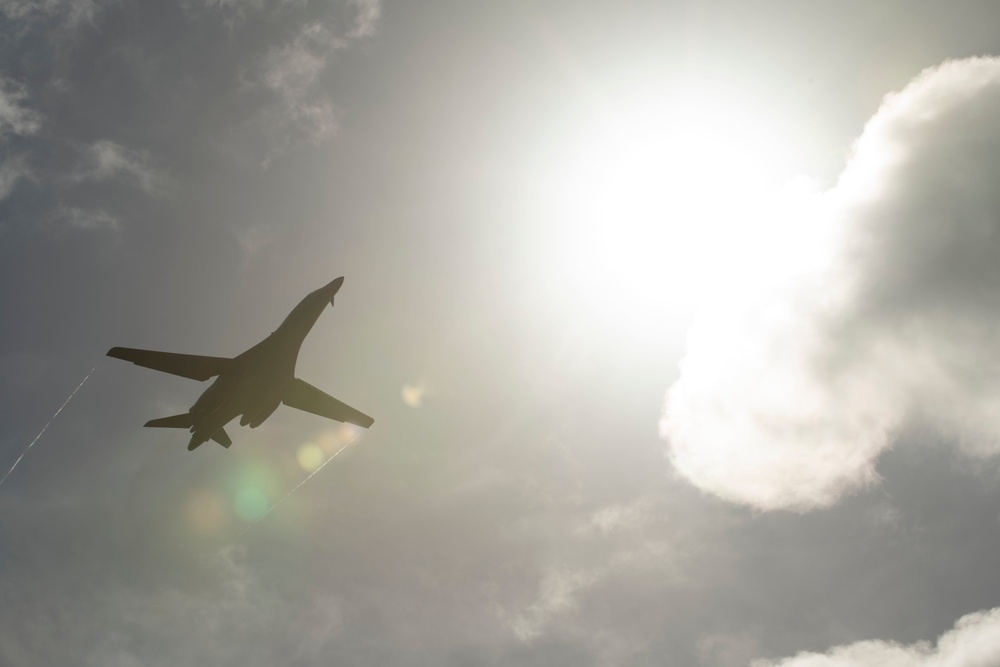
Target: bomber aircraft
(253, 384)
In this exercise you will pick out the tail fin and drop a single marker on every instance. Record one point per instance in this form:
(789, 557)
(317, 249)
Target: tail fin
(177, 421)
(222, 438)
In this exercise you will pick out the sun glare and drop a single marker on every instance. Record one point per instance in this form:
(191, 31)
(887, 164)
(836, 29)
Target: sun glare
(652, 199)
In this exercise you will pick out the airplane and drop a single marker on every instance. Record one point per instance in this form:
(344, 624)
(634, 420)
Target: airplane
(253, 384)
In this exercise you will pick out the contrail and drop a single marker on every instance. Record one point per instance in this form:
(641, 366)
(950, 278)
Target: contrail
(310, 476)
(46, 426)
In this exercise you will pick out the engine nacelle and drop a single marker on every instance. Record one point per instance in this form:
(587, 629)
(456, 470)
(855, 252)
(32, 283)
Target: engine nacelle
(256, 416)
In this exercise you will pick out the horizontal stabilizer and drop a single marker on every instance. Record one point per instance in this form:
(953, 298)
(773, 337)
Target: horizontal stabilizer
(222, 438)
(177, 421)
(303, 396)
(193, 366)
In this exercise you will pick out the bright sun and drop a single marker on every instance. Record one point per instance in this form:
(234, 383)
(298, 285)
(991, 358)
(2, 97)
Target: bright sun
(656, 201)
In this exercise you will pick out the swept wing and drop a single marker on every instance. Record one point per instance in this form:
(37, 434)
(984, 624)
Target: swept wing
(193, 366)
(303, 396)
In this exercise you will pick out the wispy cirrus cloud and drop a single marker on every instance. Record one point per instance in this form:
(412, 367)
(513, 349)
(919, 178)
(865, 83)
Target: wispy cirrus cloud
(12, 170)
(232, 605)
(15, 117)
(288, 49)
(366, 18)
(72, 12)
(610, 543)
(787, 399)
(16, 120)
(292, 72)
(366, 13)
(87, 219)
(107, 160)
(558, 594)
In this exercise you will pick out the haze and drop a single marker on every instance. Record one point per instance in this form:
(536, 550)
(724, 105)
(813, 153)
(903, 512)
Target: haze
(676, 320)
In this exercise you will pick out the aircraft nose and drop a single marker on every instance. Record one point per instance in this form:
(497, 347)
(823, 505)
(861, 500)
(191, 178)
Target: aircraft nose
(334, 287)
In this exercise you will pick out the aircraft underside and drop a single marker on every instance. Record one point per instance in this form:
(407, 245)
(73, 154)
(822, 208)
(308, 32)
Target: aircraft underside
(253, 384)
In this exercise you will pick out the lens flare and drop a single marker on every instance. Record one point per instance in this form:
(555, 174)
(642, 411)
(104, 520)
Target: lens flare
(310, 456)
(206, 512)
(333, 439)
(253, 488)
(253, 522)
(251, 503)
(413, 395)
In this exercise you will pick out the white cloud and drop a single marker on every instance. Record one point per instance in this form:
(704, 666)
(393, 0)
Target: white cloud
(218, 621)
(611, 545)
(618, 517)
(557, 595)
(787, 400)
(107, 160)
(287, 77)
(11, 171)
(92, 220)
(368, 14)
(292, 72)
(883, 517)
(253, 240)
(72, 11)
(15, 118)
(973, 642)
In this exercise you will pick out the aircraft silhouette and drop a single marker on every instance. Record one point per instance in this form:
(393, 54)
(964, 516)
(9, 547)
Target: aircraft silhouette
(253, 384)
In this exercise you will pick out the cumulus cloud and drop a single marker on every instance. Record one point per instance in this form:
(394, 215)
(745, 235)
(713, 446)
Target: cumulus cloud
(788, 399)
(107, 160)
(973, 642)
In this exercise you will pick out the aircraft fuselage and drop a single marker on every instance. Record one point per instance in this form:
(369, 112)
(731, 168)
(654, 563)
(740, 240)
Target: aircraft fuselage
(252, 385)
(258, 378)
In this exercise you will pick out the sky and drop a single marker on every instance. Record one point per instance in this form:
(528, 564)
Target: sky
(677, 321)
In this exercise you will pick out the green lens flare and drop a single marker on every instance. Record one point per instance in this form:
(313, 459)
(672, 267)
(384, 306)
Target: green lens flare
(251, 503)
